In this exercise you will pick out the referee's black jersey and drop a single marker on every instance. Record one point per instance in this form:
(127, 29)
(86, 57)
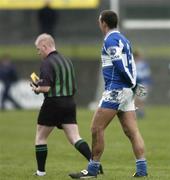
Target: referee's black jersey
(57, 72)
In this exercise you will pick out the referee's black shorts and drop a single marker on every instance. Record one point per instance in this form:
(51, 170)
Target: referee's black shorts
(56, 111)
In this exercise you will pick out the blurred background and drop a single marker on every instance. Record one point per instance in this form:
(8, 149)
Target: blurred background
(74, 25)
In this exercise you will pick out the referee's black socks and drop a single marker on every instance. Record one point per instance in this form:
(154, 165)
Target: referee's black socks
(41, 155)
(83, 148)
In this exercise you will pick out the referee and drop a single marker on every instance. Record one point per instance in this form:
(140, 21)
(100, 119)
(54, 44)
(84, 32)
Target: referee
(57, 83)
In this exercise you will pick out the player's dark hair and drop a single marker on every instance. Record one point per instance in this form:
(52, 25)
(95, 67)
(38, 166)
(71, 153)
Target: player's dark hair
(110, 18)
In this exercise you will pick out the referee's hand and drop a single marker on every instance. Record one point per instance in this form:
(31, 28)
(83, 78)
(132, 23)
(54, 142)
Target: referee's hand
(34, 87)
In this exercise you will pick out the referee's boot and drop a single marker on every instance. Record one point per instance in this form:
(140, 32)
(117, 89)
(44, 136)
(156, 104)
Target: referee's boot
(39, 173)
(100, 170)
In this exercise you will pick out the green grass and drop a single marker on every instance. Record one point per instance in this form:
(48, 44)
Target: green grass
(83, 52)
(17, 161)
(28, 52)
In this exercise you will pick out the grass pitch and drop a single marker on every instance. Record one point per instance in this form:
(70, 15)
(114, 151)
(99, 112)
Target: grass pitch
(17, 161)
(77, 51)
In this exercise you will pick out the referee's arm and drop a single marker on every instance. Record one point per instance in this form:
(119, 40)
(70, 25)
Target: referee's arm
(46, 78)
(41, 89)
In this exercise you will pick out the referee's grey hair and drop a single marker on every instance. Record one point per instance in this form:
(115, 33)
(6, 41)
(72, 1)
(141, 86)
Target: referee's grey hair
(47, 38)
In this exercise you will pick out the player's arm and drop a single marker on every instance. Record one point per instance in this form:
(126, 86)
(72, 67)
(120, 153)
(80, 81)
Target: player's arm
(114, 50)
(124, 71)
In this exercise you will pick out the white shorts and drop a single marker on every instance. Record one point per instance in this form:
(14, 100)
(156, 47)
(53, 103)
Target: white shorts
(118, 99)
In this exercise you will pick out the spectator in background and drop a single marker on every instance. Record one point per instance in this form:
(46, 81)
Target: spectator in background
(144, 78)
(8, 76)
(47, 18)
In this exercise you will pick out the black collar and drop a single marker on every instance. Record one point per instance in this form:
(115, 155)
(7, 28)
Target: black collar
(53, 52)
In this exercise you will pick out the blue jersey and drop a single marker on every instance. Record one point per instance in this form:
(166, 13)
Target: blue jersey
(118, 64)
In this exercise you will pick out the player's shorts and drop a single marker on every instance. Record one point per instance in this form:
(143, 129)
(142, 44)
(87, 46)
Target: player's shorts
(118, 99)
(56, 111)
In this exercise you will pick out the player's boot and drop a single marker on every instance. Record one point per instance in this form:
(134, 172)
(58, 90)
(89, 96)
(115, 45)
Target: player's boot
(84, 174)
(136, 175)
(91, 172)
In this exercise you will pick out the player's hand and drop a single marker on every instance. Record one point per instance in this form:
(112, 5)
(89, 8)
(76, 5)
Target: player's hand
(140, 90)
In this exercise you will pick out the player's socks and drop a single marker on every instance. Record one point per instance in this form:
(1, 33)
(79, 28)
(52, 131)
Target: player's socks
(83, 148)
(93, 167)
(41, 155)
(141, 167)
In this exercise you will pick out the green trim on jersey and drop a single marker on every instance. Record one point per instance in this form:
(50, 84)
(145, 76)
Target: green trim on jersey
(57, 83)
(65, 77)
